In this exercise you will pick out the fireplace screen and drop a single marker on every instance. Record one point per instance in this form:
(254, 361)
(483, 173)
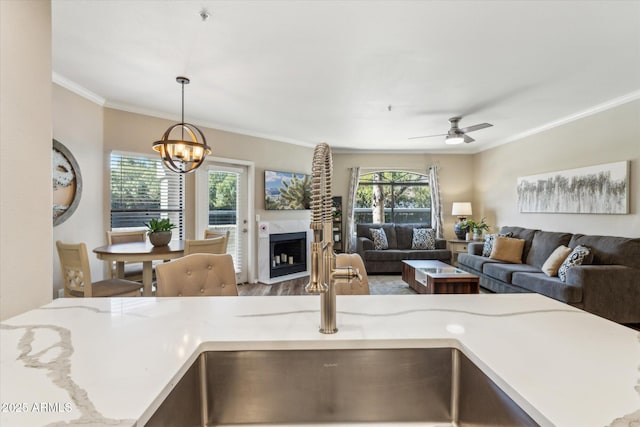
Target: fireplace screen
(288, 253)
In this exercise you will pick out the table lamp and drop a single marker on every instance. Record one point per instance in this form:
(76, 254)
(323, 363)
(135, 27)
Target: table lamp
(461, 210)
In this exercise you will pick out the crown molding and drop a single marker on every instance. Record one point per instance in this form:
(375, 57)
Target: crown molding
(607, 105)
(77, 89)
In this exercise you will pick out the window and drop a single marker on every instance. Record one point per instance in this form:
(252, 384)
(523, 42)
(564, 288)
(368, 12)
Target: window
(393, 196)
(141, 189)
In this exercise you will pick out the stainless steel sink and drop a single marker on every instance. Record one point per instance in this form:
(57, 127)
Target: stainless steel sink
(323, 387)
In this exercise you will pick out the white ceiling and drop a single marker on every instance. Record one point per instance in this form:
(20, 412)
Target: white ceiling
(312, 71)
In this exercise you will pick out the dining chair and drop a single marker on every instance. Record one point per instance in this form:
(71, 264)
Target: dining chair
(76, 275)
(212, 234)
(197, 275)
(356, 286)
(216, 245)
(132, 270)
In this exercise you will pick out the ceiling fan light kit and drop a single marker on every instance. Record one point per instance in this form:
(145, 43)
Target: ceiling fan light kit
(454, 139)
(457, 135)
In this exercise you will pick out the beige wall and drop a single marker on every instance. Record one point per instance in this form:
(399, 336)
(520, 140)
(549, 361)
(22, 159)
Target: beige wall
(25, 156)
(130, 132)
(455, 173)
(78, 124)
(610, 136)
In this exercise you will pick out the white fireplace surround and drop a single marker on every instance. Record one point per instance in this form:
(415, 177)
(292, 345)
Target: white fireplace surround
(265, 229)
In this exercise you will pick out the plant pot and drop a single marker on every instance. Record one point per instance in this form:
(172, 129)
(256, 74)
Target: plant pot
(160, 238)
(477, 235)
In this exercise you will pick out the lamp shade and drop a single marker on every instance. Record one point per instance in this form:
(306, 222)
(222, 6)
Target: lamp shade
(461, 209)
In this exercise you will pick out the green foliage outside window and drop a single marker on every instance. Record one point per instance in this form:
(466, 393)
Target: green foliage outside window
(393, 196)
(222, 190)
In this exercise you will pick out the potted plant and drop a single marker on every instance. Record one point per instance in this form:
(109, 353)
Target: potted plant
(476, 228)
(159, 231)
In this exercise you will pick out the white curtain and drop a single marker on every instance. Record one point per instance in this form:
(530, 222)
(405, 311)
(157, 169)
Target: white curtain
(436, 203)
(351, 203)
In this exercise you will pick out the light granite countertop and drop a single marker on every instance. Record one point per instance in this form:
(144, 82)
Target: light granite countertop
(111, 361)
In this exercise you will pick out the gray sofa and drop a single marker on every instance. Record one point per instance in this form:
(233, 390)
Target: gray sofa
(609, 286)
(399, 237)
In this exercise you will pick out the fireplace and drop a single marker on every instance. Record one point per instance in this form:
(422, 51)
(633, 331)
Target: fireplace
(287, 253)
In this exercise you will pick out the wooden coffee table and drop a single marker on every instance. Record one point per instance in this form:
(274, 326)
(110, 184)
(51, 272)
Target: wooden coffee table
(436, 277)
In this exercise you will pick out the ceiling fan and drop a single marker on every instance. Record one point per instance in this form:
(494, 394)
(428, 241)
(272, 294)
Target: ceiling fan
(457, 135)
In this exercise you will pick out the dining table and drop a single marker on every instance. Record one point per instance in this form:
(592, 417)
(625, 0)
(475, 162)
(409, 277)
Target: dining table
(143, 252)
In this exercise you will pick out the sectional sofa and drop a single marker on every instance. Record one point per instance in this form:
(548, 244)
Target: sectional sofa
(608, 286)
(399, 238)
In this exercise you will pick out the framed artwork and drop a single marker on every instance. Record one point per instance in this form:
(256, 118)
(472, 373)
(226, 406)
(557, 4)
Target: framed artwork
(286, 190)
(66, 182)
(600, 189)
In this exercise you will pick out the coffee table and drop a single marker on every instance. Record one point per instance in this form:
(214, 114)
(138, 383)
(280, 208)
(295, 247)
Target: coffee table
(436, 277)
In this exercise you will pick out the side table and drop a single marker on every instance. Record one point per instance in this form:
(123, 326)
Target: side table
(458, 247)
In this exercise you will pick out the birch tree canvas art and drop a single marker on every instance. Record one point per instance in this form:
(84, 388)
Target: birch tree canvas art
(600, 189)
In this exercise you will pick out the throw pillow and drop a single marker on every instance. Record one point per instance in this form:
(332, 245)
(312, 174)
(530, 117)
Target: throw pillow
(578, 256)
(555, 260)
(507, 249)
(423, 238)
(379, 238)
(488, 242)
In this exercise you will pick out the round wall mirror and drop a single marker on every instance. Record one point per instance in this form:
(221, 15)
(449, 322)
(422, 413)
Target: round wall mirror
(66, 181)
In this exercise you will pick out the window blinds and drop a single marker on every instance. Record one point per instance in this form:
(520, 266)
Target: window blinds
(141, 189)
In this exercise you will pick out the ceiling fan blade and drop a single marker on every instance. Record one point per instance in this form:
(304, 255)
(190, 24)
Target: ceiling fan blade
(468, 139)
(476, 127)
(427, 136)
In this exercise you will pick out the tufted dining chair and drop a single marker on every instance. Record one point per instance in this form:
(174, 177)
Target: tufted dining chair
(216, 245)
(357, 286)
(76, 275)
(197, 275)
(132, 270)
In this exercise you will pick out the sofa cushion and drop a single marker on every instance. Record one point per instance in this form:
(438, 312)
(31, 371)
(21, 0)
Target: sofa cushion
(543, 244)
(379, 238)
(504, 272)
(439, 254)
(406, 254)
(610, 249)
(507, 249)
(423, 238)
(475, 262)
(387, 255)
(578, 256)
(488, 242)
(404, 234)
(362, 230)
(548, 286)
(525, 234)
(555, 260)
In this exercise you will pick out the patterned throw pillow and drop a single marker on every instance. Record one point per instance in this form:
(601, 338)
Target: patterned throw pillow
(423, 238)
(488, 242)
(379, 238)
(576, 257)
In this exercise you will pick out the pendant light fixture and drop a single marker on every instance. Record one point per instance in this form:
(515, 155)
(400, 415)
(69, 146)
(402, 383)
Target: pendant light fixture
(180, 155)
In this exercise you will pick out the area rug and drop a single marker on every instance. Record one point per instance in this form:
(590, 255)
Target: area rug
(388, 285)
